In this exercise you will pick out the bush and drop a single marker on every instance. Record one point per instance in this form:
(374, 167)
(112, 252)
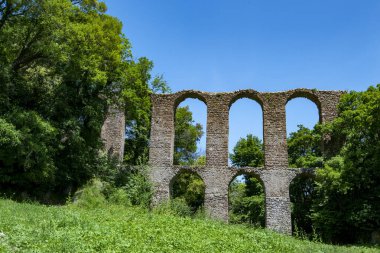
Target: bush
(177, 206)
(136, 190)
(136, 183)
(91, 195)
(119, 197)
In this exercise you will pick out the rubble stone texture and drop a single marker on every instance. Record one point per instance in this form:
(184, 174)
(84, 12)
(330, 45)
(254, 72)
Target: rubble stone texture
(112, 133)
(217, 175)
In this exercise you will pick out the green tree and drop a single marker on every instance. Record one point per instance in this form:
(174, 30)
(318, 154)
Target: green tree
(187, 134)
(138, 109)
(187, 185)
(248, 152)
(61, 64)
(304, 148)
(348, 192)
(190, 187)
(246, 196)
(304, 152)
(246, 201)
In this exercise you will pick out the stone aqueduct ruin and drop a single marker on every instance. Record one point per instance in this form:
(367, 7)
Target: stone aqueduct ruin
(216, 174)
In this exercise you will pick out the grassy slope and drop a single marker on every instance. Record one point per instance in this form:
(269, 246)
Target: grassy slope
(36, 228)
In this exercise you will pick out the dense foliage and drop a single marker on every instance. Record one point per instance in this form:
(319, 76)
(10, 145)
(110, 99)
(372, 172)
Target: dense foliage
(248, 152)
(186, 185)
(304, 148)
(191, 188)
(348, 191)
(61, 64)
(187, 134)
(246, 192)
(342, 204)
(247, 201)
(304, 151)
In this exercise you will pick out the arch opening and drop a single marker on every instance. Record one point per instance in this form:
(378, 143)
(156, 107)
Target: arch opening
(302, 193)
(245, 140)
(190, 94)
(190, 133)
(246, 200)
(309, 95)
(303, 139)
(304, 153)
(188, 188)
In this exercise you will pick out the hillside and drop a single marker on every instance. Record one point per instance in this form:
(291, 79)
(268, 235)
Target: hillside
(37, 228)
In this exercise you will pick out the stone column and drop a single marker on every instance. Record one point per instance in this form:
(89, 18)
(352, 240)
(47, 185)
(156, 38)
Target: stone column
(275, 148)
(329, 104)
(113, 132)
(276, 176)
(329, 111)
(217, 131)
(277, 200)
(216, 193)
(161, 145)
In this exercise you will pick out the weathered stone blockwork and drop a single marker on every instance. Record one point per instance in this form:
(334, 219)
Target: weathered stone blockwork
(112, 133)
(217, 175)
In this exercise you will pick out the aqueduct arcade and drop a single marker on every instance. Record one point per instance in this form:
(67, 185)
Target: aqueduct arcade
(216, 174)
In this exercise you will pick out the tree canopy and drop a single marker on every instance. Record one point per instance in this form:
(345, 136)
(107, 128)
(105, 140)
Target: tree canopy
(61, 64)
(348, 192)
(187, 134)
(246, 196)
(248, 152)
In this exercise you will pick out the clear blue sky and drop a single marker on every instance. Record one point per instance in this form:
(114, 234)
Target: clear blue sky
(267, 45)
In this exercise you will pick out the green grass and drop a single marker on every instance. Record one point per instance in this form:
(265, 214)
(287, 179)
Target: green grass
(36, 228)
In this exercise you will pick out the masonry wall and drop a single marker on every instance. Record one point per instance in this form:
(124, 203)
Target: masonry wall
(112, 133)
(217, 175)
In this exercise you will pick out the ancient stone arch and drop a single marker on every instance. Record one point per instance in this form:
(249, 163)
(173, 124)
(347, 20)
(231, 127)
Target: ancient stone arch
(216, 174)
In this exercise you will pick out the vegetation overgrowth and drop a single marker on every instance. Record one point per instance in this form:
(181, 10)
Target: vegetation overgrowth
(64, 63)
(28, 227)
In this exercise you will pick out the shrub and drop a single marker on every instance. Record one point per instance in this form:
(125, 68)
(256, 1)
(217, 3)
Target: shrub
(119, 196)
(136, 183)
(91, 195)
(175, 206)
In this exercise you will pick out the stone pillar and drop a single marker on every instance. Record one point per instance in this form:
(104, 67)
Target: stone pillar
(277, 200)
(216, 193)
(161, 145)
(217, 131)
(329, 104)
(276, 175)
(113, 132)
(275, 148)
(328, 112)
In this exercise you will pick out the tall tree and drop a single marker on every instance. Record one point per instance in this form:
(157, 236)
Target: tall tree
(187, 134)
(304, 152)
(348, 192)
(61, 64)
(138, 109)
